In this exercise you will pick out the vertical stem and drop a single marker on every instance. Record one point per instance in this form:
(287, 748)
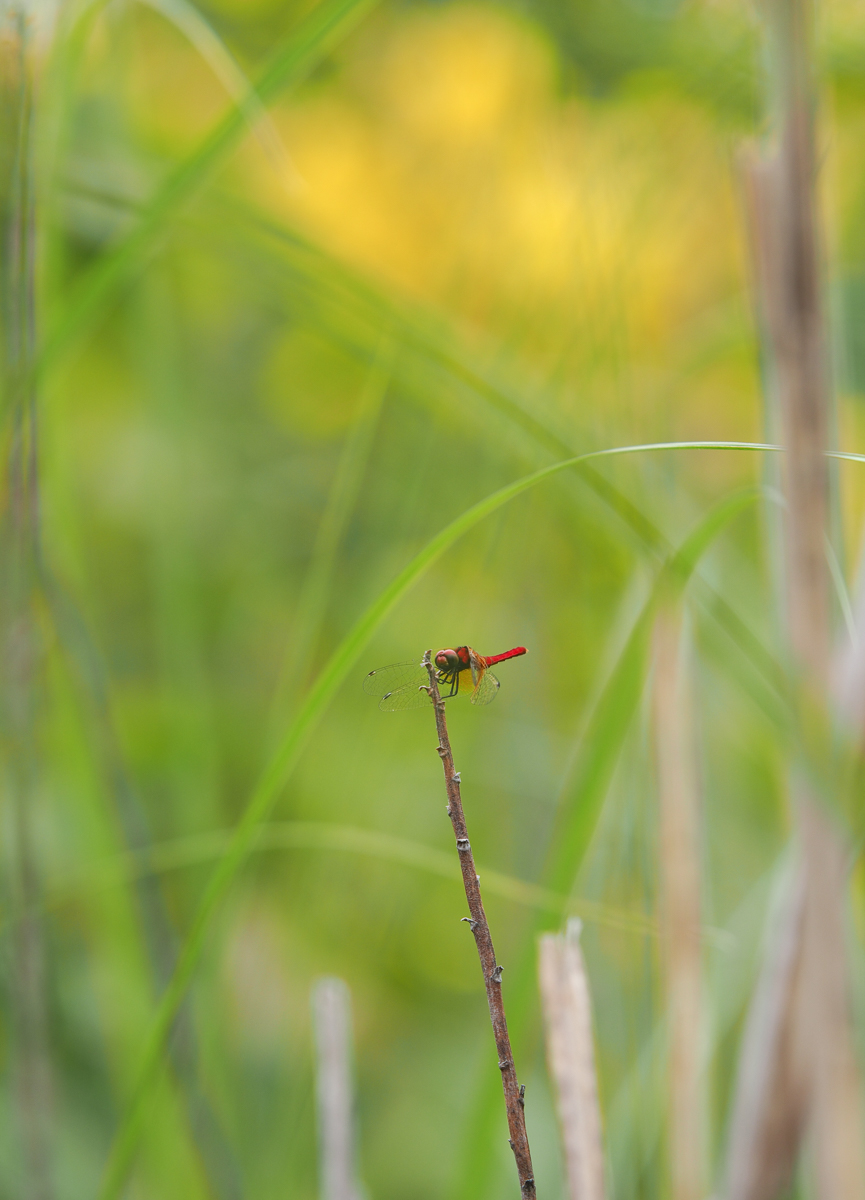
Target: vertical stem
(770, 1106)
(20, 626)
(567, 1007)
(824, 1029)
(794, 310)
(813, 1074)
(680, 903)
(483, 940)
(331, 1010)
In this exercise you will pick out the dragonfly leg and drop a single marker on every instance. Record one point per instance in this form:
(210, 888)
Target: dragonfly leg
(453, 680)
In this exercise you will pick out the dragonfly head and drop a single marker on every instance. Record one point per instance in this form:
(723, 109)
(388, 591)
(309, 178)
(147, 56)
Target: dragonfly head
(448, 661)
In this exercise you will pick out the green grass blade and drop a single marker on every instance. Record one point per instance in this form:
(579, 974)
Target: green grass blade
(272, 781)
(322, 29)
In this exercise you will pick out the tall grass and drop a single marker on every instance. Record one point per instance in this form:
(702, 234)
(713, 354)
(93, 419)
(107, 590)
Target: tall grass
(467, 356)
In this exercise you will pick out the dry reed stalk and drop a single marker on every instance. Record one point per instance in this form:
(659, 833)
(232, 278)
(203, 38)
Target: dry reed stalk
(770, 1104)
(826, 1041)
(479, 926)
(331, 1011)
(848, 668)
(567, 1009)
(792, 304)
(680, 907)
(807, 1064)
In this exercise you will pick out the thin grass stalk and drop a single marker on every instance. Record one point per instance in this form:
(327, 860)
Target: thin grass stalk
(567, 1006)
(21, 639)
(331, 1012)
(680, 904)
(492, 972)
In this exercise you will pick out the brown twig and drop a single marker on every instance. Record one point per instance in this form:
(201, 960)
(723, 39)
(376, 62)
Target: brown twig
(483, 940)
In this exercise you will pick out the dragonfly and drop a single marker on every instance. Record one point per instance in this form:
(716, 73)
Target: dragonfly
(459, 672)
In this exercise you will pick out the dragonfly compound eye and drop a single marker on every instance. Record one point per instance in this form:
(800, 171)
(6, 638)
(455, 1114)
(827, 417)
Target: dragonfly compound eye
(448, 660)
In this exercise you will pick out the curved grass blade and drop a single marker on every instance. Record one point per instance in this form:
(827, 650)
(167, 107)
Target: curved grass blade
(326, 284)
(318, 33)
(181, 853)
(266, 793)
(581, 805)
(207, 42)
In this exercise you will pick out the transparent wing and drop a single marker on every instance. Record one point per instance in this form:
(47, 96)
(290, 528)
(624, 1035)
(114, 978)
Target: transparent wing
(390, 679)
(487, 689)
(411, 696)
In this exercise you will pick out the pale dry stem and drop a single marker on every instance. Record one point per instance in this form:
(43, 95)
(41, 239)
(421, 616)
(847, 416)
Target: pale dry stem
(805, 1073)
(680, 908)
(331, 1011)
(567, 1009)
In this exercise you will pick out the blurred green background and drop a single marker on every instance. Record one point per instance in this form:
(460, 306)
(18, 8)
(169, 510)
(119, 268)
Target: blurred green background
(470, 240)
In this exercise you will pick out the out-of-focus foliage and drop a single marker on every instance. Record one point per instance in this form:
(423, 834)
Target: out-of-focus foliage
(475, 237)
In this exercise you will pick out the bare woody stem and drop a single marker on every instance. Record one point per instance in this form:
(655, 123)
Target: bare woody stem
(484, 942)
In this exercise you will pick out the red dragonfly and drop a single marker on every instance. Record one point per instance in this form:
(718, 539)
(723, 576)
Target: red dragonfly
(459, 672)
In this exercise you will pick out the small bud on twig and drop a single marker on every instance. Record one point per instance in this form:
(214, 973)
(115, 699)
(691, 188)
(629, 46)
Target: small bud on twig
(477, 922)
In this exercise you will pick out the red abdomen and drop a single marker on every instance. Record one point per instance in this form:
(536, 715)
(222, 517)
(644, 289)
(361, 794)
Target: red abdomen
(496, 658)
